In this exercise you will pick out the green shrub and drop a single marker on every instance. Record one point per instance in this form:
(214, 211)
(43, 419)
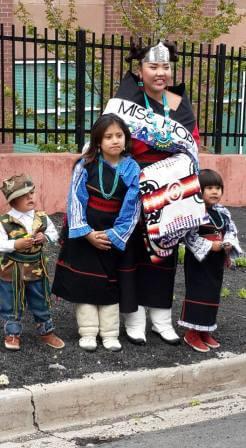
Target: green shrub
(181, 254)
(241, 293)
(241, 262)
(225, 292)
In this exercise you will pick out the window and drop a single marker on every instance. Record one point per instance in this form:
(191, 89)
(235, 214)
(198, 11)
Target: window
(20, 146)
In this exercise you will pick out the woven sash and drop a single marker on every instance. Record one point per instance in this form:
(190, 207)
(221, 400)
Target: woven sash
(152, 130)
(170, 195)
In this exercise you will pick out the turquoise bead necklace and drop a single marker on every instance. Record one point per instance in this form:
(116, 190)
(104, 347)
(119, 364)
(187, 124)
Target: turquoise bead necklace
(115, 183)
(166, 109)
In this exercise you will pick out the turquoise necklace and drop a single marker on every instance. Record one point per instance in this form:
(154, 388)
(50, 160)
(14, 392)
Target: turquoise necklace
(166, 109)
(115, 183)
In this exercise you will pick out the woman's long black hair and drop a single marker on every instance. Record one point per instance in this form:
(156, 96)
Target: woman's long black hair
(97, 132)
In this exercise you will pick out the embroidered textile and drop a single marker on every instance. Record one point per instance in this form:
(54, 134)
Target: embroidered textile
(170, 199)
(152, 131)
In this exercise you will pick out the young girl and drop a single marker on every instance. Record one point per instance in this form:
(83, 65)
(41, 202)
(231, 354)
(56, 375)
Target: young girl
(103, 209)
(207, 250)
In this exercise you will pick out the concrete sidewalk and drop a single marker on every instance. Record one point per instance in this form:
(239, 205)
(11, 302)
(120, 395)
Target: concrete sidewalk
(45, 407)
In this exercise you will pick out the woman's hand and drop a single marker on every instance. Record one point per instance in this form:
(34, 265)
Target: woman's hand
(227, 247)
(23, 243)
(217, 246)
(99, 239)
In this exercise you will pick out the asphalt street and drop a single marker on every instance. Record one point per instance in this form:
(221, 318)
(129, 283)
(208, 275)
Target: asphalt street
(229, 432)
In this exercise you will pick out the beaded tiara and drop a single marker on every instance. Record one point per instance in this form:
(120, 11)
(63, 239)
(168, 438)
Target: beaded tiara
(159, 53)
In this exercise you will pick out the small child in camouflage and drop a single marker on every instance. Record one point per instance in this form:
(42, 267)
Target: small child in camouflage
(23, 272)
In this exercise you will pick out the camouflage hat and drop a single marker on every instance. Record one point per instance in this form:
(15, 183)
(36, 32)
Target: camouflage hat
(17, 186)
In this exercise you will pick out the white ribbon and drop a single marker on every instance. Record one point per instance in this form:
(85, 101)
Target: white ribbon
(152, 130)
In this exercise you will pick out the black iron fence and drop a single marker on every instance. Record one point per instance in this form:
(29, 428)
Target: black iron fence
(53, 88)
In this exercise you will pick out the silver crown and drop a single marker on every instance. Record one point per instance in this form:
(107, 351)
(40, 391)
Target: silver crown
(159, 53)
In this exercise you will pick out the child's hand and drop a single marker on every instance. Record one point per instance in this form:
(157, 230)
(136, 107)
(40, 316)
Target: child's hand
(99, 239)
(228, 262)
(217, 246)
(23, 243)
(40, 238)
(227, 247)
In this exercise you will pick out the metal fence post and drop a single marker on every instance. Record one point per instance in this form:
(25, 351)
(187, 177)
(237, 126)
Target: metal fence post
(80, 88)
(220, 98)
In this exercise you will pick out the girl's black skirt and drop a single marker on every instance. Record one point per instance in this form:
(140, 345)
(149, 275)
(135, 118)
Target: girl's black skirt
(85, 274)
(203, 282)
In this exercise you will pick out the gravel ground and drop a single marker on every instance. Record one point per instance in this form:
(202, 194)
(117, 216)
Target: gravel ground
(36, 363)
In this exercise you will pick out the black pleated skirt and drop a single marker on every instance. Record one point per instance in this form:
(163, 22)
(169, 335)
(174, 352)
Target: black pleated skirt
(97, 277)
(154, 281)
(203, 286)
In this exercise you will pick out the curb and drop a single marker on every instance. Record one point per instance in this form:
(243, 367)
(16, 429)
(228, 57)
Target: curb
(112, 395)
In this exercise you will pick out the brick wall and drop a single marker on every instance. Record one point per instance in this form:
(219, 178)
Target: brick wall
(113, 20)
(113, 23)
(6, 17)
(209, 6)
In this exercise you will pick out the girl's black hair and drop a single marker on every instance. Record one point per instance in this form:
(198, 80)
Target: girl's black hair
(97, 132)
(137, 52)
(209, 177)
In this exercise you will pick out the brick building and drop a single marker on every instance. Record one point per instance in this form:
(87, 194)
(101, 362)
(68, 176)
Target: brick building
(99, 16)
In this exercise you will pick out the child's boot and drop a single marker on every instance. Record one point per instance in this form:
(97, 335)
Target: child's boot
(209, 340)
(88, 343)
(88, 326)
(112, 344)
(193, 339)
(12, 342)
(45, 331)
(52, 340)
(109, 318)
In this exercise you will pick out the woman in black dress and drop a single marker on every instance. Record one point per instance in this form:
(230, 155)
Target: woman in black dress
(142, 95)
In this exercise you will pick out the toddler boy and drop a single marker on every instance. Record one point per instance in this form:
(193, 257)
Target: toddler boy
(23, 272)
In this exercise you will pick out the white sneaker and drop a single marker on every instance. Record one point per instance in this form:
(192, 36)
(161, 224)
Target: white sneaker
(88, 343)
(112, 344)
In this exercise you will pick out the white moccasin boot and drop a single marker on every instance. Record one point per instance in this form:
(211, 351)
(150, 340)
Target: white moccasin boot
(135, 324)
(111, 343)
(88, 343)
(162, 324)
(88, 325)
